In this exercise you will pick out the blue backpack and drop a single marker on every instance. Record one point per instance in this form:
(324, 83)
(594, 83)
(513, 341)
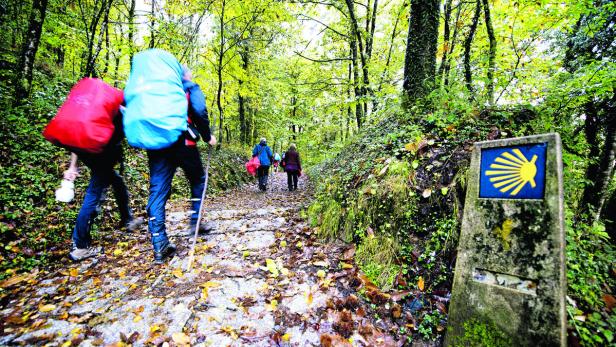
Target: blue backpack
(156, 106)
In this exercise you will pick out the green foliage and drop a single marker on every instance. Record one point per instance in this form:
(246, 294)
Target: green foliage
(377, 258)
(429, 325)
(482, 334)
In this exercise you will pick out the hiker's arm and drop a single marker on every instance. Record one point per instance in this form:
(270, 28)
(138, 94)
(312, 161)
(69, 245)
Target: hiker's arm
(200, 116)
(254, 151)
(73, 171)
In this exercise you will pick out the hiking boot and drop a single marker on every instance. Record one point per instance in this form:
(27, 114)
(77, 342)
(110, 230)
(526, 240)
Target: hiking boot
(79, 254)
(166, 252)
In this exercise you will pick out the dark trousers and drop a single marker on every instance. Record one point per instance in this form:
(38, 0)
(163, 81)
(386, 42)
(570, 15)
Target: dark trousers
(292, 177)
(102, 175)
(262, 173)
(163, 164)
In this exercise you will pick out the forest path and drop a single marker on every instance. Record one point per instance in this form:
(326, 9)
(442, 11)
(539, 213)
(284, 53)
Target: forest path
(260, 278)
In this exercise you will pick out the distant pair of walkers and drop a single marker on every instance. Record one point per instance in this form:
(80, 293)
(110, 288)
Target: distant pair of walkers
(165, 113)
(290, 162)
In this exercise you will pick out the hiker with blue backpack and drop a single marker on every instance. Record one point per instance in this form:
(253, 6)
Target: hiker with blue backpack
(264, 153)
(157, 119)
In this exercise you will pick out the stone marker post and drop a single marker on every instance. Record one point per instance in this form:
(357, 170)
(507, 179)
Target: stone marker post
(509, 282)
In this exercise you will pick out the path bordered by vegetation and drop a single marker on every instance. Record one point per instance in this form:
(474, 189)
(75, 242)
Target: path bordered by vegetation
(260, 278)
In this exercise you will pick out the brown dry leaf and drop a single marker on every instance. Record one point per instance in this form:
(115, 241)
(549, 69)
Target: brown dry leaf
(397, 296)
(329, 340)
(609, 300)
(181, 339)
(73, 272)
(13, 280)
(349, 253)
(420, 283)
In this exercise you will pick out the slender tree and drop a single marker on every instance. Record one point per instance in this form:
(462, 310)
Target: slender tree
(23, 77)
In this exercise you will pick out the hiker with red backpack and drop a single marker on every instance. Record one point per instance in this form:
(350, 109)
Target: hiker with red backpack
(89, 124)
(156, 119)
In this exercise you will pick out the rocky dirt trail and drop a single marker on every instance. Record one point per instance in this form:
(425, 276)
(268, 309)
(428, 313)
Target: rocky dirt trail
(260, 278)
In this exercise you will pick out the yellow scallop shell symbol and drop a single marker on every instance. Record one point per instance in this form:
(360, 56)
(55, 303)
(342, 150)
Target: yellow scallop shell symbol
(511, 171)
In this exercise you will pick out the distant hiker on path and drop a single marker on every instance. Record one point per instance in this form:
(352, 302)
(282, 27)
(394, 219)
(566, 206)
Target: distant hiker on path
(293, 166)
(276, 162)
(266, 158)
(159, 87)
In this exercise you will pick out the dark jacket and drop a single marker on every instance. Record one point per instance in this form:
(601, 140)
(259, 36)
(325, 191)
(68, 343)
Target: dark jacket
(265, 154)
(197, 109)
(292, 161)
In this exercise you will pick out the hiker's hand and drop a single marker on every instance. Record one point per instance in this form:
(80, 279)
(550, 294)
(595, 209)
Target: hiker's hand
(71, 174)
(212, 141)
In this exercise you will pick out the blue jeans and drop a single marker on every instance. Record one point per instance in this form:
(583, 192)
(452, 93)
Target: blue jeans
(101, 167)
(163, 164)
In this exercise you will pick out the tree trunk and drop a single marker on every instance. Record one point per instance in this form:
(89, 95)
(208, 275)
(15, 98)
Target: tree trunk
(93, 53)
(600, 170)
(23, 77)
(453, 45)
(446, 44)
(131, 30)
(107, 48)
(492, 52)
(219, 71)
(152, 27)
(365, 85)
(241, 99)
(421, 46)
(468, 77)
(359, 110)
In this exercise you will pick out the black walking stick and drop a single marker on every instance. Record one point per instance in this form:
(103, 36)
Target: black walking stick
(194, 243)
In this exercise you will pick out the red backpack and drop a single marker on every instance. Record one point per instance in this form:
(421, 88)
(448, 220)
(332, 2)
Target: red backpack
(84, 123)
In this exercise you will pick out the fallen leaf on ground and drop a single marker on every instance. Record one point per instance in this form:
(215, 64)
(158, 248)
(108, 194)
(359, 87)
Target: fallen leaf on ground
(47, 308)
(13, 280)
(272, 305)
(420, 283)
(230, 331)
(73, 272)
(181, 339)
(271, 266)
(177, 273)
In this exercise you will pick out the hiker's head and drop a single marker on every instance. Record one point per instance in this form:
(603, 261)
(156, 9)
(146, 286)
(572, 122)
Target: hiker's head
(263, 141)
(292, 147)
(186, 73)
